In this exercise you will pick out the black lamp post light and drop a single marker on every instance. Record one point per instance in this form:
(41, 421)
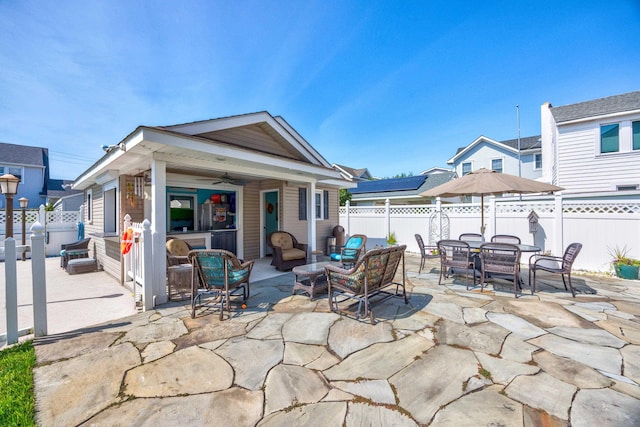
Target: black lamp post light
(9, 187)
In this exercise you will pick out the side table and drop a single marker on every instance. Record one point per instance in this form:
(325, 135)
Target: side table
(310, 277)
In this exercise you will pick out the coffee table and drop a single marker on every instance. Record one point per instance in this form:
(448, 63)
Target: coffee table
(310, 277)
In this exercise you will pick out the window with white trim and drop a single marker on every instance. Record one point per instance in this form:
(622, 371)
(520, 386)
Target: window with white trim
(496, 165)
(466, 168)
(635, 131)
(537, 161)
(13, 170)
(610, 138)
(89, 206)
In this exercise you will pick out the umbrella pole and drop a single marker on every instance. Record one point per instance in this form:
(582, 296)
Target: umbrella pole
(482, 227)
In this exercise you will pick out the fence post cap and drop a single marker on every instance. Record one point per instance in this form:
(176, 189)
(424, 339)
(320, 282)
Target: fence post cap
(37, 228)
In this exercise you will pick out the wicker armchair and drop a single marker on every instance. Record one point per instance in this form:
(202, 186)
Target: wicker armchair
(287, 252)
(455, 257)
(500, 260)
(426, 252)
(553, 264)
(219, 274)
(75, 250)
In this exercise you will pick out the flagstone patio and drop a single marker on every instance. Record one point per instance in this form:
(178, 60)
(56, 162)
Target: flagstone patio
(450, 357)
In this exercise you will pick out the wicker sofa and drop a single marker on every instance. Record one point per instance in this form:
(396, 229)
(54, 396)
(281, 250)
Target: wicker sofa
(287, 252)
(371, 275)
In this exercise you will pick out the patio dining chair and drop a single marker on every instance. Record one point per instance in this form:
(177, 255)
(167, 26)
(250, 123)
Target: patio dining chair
(500, 260)
(506, 238)
(456, 256)
(554, 264)
(219, 274)
(471, 237)
(426, 252)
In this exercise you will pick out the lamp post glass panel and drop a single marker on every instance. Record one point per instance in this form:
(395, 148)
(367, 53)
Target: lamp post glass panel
(9, 187)
(24, 202)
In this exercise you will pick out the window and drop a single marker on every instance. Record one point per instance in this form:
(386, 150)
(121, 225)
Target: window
(466, 168)
(609, 138)
(110, 216)
(89, 207)
(15, 171)
(319, 205)
(182, 212)
(626, 187)
(636, 135)
(496, 165)
(537, 161)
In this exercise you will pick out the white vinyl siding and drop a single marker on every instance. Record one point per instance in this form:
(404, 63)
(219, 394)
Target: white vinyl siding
(581, 166)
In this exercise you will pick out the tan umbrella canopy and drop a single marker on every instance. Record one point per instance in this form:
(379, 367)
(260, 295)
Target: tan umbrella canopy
(483, 181)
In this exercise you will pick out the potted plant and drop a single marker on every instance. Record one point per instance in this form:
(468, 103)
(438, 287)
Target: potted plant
(624, 266)
(391, 239)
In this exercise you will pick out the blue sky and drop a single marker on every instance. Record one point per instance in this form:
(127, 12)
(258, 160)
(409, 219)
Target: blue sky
(393, 86)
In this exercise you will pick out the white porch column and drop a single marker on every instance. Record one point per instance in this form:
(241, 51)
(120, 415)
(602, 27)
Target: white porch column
(311, 214)
(159, 229)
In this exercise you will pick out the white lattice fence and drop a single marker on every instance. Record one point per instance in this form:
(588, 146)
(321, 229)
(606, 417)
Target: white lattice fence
(598, 224)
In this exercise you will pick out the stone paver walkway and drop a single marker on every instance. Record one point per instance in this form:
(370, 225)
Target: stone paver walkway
(450, 357)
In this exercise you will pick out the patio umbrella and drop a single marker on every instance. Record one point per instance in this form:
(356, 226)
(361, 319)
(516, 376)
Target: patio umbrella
(483, 181)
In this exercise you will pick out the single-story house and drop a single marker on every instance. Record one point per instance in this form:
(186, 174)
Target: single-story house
(222, 183)
(398, 191)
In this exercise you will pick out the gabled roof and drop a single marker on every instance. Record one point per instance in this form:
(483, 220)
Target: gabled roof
(23, 155)
(434, 170)
(597, 107)
(400, 187)
(526, 143)
(352, 173)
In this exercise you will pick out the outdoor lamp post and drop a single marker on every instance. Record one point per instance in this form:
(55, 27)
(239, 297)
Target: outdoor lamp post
(9, 187)
(24, 202)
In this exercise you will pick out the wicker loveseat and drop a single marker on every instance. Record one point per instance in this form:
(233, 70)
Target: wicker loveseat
(287, 252)
(371, 275)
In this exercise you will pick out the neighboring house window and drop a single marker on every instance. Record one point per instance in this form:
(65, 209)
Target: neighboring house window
(537, 160)
(636, 135)
(15, 171)
(302, 204)
(496, 165)
(626, 187)
(89, 206)
(466, 168)
(609, 138)
(467, 199)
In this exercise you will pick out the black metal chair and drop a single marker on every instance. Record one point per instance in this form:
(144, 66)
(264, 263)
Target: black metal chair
(553, 264)
(506, 238)
(426, 252)
(471, 237)
(456, 255)
(500, 260)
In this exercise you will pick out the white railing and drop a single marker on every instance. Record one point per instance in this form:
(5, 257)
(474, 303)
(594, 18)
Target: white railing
(138, 263)
(599, 225)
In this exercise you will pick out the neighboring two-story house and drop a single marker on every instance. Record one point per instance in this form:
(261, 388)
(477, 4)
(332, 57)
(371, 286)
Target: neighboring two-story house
(31, 166)
(593, 146)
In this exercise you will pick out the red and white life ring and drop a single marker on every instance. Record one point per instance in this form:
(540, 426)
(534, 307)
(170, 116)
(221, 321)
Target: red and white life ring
(127, 241)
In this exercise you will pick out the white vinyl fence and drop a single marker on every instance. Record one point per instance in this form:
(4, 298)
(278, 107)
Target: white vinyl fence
(60, 227)
(599, 225)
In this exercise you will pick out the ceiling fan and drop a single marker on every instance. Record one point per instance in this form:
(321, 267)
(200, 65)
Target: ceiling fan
(228, 179)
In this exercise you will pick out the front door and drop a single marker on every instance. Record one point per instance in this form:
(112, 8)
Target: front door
(270, 216)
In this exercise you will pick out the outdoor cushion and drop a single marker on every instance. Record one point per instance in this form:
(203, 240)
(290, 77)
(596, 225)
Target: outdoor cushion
(178, 247)
(282, 240)
(293, 253)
